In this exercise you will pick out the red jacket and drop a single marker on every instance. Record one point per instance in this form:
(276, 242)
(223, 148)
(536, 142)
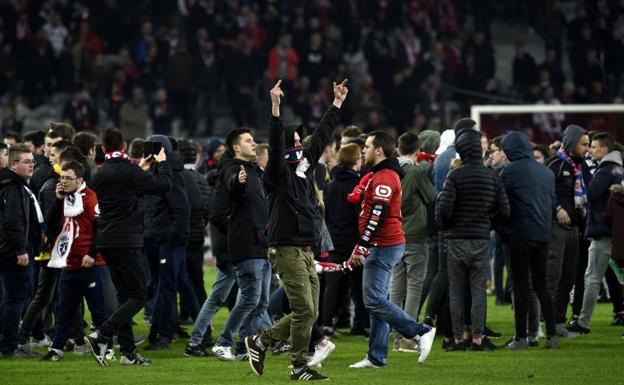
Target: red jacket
(380, 221)
(83, 232)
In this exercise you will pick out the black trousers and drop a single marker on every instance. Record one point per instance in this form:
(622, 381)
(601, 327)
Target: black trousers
(127, 273)
(195, 270)
(529, 259)
(335, 288)
(46, 290)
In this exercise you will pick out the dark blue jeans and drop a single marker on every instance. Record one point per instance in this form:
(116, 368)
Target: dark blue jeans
(15, 281)
(254, 280)
(74, 285)
(384, 314)
(172, 277)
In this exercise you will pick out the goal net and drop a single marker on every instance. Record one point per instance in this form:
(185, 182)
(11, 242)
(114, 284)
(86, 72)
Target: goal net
(544, 123)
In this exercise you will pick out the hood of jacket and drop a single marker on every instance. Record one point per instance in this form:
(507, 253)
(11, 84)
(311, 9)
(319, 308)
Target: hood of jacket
(429, 141)
(516, 146)
(571, 136)
(612, 157)
(289, 135)
(391, 164)
(344, 173)
(8, 177)
(468, 146)
(166, 143)
(446, 139)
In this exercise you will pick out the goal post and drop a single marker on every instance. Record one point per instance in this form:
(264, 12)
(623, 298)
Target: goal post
(614, 126)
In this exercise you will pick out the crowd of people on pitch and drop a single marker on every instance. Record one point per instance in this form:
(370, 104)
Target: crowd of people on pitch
(311, 234)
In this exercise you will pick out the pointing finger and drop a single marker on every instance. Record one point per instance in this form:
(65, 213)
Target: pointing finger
(278, 83)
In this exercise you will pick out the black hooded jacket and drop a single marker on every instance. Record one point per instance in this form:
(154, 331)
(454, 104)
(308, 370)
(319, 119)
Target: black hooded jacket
(172, 210)
(249, 212)
(17, 216)
(473, 195)
(293, 210)
(219, 208)
(530, 188)
(340, 215)
(198, 193)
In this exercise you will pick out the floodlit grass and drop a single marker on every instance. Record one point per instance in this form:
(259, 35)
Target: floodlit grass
(595, 358)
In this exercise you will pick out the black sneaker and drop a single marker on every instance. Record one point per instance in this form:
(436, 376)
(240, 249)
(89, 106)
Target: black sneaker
(181, 333)
(307, 374)
(134, 359)
(618, 319)
(574, 327)
(195, 351)
(456, 347)
(52, 356)
(428, 321)
(98, 345)
(160, 344)
(256, 355)
(486, 346)
(446, 344)
(487, 332)
(281, 348)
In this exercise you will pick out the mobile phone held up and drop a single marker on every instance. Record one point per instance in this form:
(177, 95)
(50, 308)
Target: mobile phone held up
(151, 148)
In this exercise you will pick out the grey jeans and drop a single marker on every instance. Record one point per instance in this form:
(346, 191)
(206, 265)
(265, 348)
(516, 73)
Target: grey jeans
(598, 262)
(408, 277)
(466, 272)
(563, 255)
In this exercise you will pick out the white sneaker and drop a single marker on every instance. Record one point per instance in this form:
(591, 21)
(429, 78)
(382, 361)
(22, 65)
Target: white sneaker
(321, 352)
(81, 350)
(426, 341)
(223, 353)
(365, 363)
(46, 342)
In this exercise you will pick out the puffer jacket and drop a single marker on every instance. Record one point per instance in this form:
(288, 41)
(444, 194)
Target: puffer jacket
(473, 195)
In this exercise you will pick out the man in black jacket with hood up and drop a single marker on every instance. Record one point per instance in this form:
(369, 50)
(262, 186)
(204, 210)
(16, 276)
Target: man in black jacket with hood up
(292, 232)
(172, 218)
(530, 188)
(472, 198)
(119, 186)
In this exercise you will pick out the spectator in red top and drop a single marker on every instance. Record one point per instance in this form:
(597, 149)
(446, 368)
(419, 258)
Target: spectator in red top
(283, 60)
(76, 207)
(382, 242)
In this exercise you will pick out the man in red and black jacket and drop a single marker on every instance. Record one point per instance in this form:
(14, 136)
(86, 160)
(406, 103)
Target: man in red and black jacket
(76, 208)
(380, 247)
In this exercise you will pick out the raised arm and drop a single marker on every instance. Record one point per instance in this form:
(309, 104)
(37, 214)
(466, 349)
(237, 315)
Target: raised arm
(276, 165)
(322, 136)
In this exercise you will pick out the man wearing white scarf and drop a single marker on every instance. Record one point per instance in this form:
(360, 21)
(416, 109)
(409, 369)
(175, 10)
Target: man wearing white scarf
(76, 209)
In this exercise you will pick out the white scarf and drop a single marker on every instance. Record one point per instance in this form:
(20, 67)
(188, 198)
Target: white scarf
(302, 167)
(72, 205)
(37, 207)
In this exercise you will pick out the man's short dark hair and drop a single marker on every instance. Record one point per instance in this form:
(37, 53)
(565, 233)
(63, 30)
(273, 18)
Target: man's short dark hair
(112, 139)
(497, 141)
(385, 141)
(85, 141)
(72, 153)
(233, 138)
(13, 135)
(136, 148)
(16, 151)
(605, 140)
(63, 144)
(75, 166)
(52, 134)
(4, 146)
(65, 130)
(464, 123)
(408, 143)
(37, 138)
(352, 131)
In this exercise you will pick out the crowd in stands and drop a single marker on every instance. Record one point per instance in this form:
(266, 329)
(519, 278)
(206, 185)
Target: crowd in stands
(409, 62)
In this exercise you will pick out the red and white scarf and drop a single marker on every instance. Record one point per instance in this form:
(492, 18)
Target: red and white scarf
(116, 154)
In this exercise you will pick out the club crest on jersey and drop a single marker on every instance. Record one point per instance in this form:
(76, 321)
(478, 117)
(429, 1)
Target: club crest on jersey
(383, 191)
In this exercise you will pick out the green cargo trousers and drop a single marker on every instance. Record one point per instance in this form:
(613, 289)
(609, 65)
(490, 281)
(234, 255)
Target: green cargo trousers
(295, 266)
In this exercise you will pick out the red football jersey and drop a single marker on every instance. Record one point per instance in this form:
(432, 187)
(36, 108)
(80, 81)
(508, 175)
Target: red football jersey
(383, 188)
